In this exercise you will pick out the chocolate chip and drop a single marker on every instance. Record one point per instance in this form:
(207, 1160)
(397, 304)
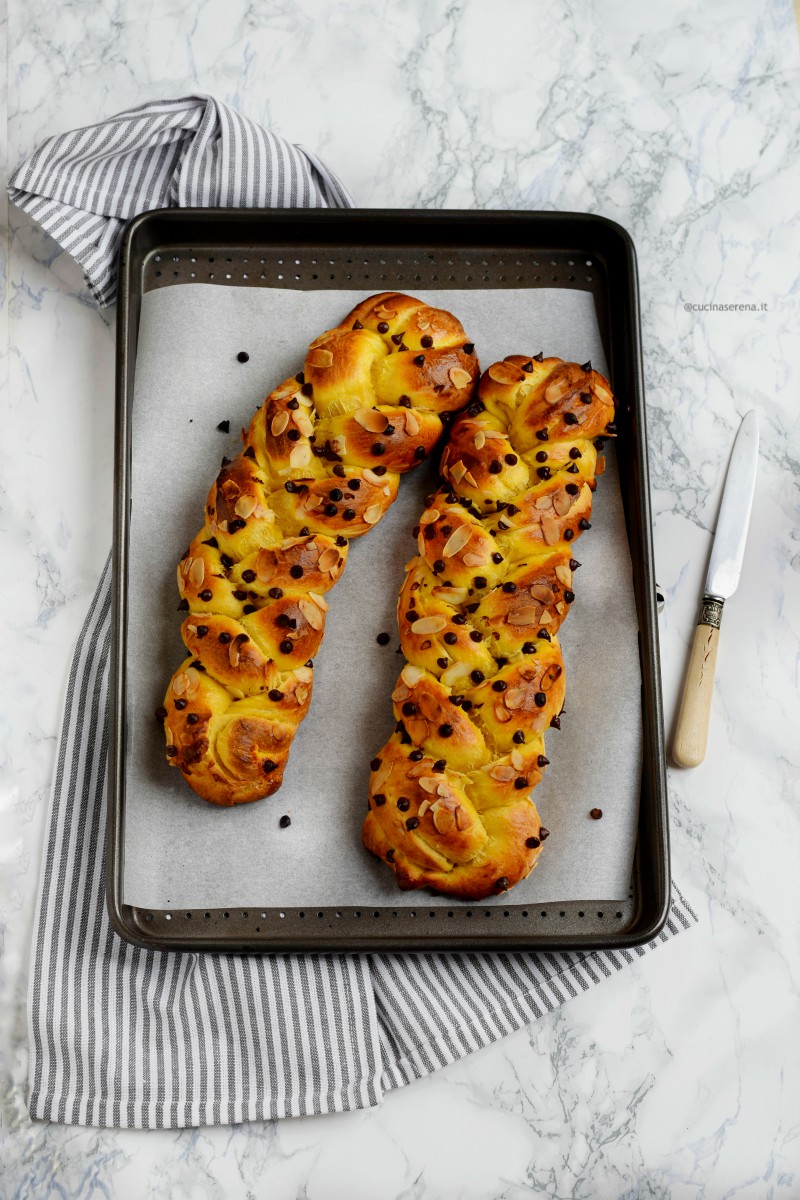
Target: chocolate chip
(520, 783)
(596, 814)
(477, 676)
(240, 594)
(348, 514)
(439, 766)
(426, 341)
(293, 435)
(511, 459)
(307, 389)
(575, 452)
(573, 470)
(192, 719)
(541, 456)
(544, 634)
(224, 427)
(379, 799)
(285, 822)
(330, 510)
(540, 699)
(469, 348)
(202, 630)
(476, 635)
(374, 764)
(569, 534)
(438, 566)
(296, 571)
(527, 367)
(383, 327)
(497, 557)
(555, 722)
(275, 592)
(499, 685)
(459, 620)
(236, 524)
(249, 608)
(479, 581)
(379, 470)
(243, 356)
(403, 804)
(268, 765)
(357, 325)
(390, 855)
(495, 466)
(445, 730)
(248, 576)
(161, 713)
(212, 541)
(442, 663)
(378, 448)
(286, 647)
(544, 834)
(275, 695)
(409, 709)
(587, 366)
(205, 595)
(226, 462)
(341, 540)
(501, 885)
(529, 648)
(542, 435)
(509, 587)
(383, 639)
(419, 361)
(569, 596)
(171, 751)
(532, 843)
(543, 472)
(519, 737)
(475, 408)
(572, 488)
(412, 822)
(416, 756)
(570, 419)
(180, 705)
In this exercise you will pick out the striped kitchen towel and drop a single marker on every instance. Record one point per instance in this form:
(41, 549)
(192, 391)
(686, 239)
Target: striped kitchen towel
(121, 1036)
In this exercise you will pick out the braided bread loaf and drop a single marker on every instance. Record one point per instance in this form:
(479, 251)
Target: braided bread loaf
(478, 614)
(321, 464)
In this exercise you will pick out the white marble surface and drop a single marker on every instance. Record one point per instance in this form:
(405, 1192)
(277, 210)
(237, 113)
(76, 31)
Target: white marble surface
(680, 1076)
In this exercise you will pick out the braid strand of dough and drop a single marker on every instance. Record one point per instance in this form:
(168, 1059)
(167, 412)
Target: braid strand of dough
(479, 613)
(321, 464)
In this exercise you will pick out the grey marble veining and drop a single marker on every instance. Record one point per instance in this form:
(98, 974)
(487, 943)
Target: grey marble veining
(678, 1078)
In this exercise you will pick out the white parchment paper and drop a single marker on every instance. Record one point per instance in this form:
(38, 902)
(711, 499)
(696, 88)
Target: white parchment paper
(183, 853)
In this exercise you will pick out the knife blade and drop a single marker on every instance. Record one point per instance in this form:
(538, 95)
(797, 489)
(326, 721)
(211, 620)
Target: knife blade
(724, 570)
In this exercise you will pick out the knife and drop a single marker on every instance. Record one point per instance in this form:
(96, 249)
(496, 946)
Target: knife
(724, 569)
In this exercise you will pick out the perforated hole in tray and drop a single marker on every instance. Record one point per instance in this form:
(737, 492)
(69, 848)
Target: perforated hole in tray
(375, 270)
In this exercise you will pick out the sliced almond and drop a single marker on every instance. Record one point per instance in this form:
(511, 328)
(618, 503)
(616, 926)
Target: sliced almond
(600, 465)
(301, 694)
(544, 502)
(603, 393)
(563, 574)
(320, 601)
(411, 675)
(550, 530)
(300, 455)
(384, 312)
(429, 625)
(192, 681)
(451, 595)
(462, 820)
(502, 773)
(373, 514)
(514, 698)
(245, 506)
(429, 516)
(191, 629)
(429, 784)
(233, 653)
(444, 820)
(197, 572)
(470, 479)
(540, 591)
(319, 358)
(557, 389)
(505, 373)
(562, 503)
(459, 378)
(179, 684)
(372, 478)
(279, 423)
(304, 674)
(324, 338)
(304, 424)
(561, 608)
(480, 440)
(501, 713)
(423, 808)
(473, 560)
(412, 424)
(517, 761)
(329, 559)
(416, 769)
(223, 526)
(458, 471)
(230, 489)
(455, 673)
(371, 419)
(430, 707)
(528, 615)
(546, 618)
(553, 672)
(417, 730)
(339, 444)
(311, 613)
(457, 541)
(401, 692)
(306, 401)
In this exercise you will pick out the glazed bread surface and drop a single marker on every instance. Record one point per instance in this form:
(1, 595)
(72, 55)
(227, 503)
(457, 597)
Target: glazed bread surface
(321, 464)
(479, 614)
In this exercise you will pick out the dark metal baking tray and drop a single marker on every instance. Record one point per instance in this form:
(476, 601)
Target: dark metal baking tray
(379, 250)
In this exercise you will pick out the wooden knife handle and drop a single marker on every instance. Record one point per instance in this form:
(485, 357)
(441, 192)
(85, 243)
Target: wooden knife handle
(691, 731)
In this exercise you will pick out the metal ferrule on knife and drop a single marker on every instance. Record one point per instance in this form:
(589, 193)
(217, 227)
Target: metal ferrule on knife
(710, 611)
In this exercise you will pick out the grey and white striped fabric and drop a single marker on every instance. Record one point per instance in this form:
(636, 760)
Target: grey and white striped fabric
(83, 186)
(121, 1036)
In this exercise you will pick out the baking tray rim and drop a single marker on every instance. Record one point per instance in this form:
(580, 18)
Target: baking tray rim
(320, 223)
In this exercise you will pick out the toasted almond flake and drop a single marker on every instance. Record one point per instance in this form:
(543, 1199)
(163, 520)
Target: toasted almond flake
(600, 465)
(197, 572)
(179, 684)
(324, 338)
(412, 424)
(373, 514)
(191, 629)
(544, 502)
(603, 393)
(411, 675)
(423, 808)
(372, 478)
(550, 530)
(527, 615)
(517, 761)
(458, 471)
(527, 673)
(562, 503)
(223, 526)
(473, 560)
(371, 419)
(555, 390)
(501, 713)
(451, 594)
(443, 790)
(470, 479)
(416, 770)
(319, 358)
(429, 784)
(514, 698)
(233, 653)
(546, 618)
(494, 435)
(245, 506)
(457, 541)
(301, 694)
(459, 378)
(421, 543)
(417, 730)
(300, 455)
(564, 574)
(311, 613)
(540, 591)
(430, 707)
(401, 692)
(502, 773)
(387, 491)
(380, 777)
(424, 319)
(384, 312)
(480, 440)
(306, 401)
(455, 673)
(230, 489)
(339, 444)
(192, 681)
(462, 820)
(550, 676)
(304, 674)
(311, 502)
(505, 373)
(429, 625)
(304, 424)
(444, 820)
(328, 560)
(279, 423)
(561, 608)
(320, 601)
(429, 516)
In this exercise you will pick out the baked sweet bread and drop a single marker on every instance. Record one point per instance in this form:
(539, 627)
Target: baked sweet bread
(479, 612)
(321, 464)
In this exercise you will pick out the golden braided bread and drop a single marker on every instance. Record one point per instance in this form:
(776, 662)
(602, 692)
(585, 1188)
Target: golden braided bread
(478, 614)
(321, 464)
